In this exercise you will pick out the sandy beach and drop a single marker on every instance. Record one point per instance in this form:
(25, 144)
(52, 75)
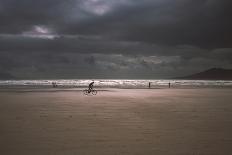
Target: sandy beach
(116, 122)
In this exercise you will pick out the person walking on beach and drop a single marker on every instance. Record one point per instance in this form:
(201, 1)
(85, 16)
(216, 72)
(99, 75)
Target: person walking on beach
(149, 84)
(169, 85)
(91, 86)
(54, 85)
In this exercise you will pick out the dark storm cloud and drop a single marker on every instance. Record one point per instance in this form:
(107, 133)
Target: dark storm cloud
(204, 23)
(87, 38)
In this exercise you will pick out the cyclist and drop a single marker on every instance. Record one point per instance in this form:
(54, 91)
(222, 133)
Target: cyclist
(91, 86)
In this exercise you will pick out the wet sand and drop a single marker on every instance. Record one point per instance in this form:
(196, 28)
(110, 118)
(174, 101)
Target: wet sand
(116, 122)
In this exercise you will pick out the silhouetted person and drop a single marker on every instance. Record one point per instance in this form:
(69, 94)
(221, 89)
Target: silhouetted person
(149, 84)
(91, 86)
(169, 85)
(54, 84)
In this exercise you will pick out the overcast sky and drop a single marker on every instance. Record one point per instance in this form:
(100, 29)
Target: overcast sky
(113, 38)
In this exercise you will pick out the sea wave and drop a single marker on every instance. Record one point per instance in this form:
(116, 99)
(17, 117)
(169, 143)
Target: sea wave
(110, 83)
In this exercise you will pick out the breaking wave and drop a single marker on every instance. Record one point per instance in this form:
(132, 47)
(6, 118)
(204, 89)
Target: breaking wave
(108, 83)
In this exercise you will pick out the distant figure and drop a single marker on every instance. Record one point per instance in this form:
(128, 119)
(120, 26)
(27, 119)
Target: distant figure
(54, 85)
(169, 85)
(149, 84)
(91, 86)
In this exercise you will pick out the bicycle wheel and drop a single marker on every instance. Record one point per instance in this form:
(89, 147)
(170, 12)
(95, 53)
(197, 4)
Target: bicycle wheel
(94, 92)
(86, 92)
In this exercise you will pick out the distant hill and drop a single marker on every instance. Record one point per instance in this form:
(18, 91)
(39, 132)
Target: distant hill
(211, 74)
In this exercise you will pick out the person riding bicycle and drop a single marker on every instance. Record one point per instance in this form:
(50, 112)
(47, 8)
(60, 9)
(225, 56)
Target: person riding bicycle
(91, 86)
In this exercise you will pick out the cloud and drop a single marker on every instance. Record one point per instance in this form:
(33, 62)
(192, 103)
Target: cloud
(203, 24)
(107, 38)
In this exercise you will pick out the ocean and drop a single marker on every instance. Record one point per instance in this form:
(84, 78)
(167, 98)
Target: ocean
(117, 83)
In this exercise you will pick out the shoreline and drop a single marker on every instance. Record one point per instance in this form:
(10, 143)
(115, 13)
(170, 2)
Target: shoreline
(121, 84)
(68, 89)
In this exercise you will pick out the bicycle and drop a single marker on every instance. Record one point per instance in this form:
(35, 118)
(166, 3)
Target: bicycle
(90, 91)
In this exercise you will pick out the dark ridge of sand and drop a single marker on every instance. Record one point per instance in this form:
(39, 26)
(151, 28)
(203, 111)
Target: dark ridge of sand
(47, 90)
(43, 90)
(117, 122)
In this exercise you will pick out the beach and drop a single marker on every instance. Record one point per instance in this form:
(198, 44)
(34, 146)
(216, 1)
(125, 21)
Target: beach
(116, 122)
